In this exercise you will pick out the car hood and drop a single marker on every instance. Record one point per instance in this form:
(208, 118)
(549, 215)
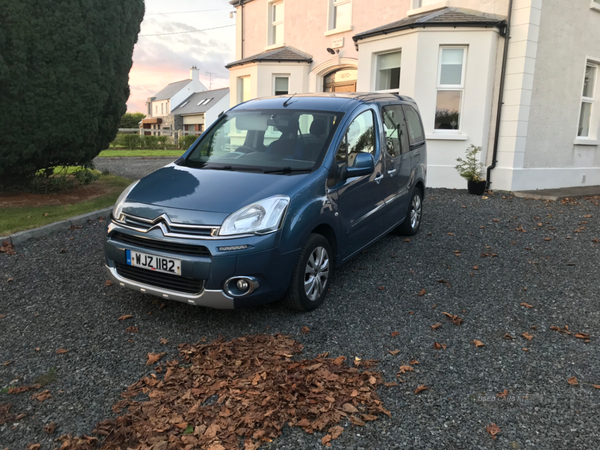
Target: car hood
(207, 190)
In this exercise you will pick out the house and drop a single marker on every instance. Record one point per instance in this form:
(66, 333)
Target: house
(516, 77)
(184, 105)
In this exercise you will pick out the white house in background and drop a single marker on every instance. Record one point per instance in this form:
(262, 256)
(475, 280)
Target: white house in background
(184, 105)
(449, 56)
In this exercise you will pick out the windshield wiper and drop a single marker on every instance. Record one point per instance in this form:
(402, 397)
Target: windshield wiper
(286, 169)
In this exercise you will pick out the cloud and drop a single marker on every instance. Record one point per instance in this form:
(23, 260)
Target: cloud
(160, 60)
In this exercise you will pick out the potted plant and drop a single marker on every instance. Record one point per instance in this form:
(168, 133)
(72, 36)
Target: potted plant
(471, 169)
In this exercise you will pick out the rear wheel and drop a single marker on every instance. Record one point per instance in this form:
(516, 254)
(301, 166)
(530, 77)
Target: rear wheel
(412, 221)
(310, 279)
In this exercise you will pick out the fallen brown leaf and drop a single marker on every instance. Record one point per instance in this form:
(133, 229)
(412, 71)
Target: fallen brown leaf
(305, 330)
(597, 386)
(394, 352)
(436, 326)
(582, 336)
(422, 292)
(455, 319)
(527, 336)
(503, 394)
(339, 360)
(41, 396)
(50, 428)
(421, 388)
(125, 317)
(572, 381)
(20, 389)
(439, 346)
(395, 333)
(478, 343)
(413, 362)
(335, 432)
(493, 430)
(508, 337)
(526, 305)
(108, 283)
(60, 351)
(154, 357)
(132, 330)
(163, 341)
(405, 368)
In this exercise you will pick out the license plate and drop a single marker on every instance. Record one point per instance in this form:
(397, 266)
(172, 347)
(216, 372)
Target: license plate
(153, 262)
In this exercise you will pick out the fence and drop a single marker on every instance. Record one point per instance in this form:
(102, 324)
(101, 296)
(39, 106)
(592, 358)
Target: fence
(148, 138)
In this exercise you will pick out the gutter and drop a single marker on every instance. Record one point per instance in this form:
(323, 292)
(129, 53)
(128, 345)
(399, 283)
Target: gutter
(500, 97)
(242, 5)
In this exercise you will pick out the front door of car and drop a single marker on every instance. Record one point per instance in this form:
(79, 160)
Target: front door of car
(360, 200)
(398, 163)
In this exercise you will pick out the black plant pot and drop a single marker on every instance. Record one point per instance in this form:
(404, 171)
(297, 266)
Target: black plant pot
(476, 187)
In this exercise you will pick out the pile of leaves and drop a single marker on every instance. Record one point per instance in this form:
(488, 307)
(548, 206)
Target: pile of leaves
(239, 393)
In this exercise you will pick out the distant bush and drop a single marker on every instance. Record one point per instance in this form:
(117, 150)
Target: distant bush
(185, 142)
(149, 142)
(132, 141)
(162, 141)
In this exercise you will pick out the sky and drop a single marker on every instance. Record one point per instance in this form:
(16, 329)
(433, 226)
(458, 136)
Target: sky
(160, 60)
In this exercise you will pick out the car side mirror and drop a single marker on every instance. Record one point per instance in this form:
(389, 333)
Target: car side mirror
(364, 164)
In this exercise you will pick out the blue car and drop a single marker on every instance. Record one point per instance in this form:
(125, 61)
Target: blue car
(270, 199)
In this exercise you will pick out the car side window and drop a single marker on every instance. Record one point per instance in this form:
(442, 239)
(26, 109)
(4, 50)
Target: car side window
(415, 127)
(359, 138)
(395, 130)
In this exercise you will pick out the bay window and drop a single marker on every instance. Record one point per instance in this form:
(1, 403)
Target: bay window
(450, 88)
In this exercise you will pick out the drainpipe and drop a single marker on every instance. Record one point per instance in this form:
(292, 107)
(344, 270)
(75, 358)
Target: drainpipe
(242, 5)
(500, 96)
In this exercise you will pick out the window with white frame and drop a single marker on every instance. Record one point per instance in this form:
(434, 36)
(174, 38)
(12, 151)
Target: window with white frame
(417, 4)
(450, 88)
(340, 15)
(388, 71)
(587, 100)
(281, 85)
(276, 23)
(243, 89)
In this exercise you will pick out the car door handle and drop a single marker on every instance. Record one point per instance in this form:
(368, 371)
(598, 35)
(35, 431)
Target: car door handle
(378, 178)
(391, 172)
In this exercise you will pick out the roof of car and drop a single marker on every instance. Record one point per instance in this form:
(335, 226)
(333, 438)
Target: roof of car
(327, 101)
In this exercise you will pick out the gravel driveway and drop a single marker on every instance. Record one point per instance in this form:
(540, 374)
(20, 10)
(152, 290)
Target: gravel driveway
(476, 258)
(133, 168)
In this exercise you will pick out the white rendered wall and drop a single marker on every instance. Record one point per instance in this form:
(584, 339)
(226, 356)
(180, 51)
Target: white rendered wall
(569, 34)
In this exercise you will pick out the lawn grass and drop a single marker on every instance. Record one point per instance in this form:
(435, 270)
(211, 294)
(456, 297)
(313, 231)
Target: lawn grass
(19, 218)
(140, 153)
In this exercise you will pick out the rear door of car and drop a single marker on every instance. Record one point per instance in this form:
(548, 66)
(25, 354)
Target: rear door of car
(416, 137)
(398, 162)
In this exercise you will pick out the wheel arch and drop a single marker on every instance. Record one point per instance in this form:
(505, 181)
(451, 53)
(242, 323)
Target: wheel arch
(328, 233)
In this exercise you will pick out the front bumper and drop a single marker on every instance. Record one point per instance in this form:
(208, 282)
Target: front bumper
(260, 260)
(209, 298)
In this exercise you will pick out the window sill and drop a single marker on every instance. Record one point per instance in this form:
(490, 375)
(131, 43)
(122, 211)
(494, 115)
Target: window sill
(339, 30)
(274, 46)
(584, 141)
(428, 8)
(447, 137)
(595, 6)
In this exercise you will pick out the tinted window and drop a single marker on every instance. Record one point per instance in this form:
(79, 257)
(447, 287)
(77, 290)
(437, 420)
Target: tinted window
(359, 138)
(265, 139)
(393, 122)
(415, 128)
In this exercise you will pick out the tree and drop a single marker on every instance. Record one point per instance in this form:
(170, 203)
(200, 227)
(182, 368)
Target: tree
(131, 120)
(64, 69)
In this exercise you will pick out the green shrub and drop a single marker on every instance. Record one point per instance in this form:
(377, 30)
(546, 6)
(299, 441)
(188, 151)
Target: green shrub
(470, 168)
(132, 141)
(150, 142)
(162, 141)
(186, 142)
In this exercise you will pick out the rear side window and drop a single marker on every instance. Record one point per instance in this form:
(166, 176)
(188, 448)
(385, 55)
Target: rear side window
(359, 138)
(415, 128)
(393, 122)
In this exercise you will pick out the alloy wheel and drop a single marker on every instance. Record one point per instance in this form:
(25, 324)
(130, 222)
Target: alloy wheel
(316, 273)
(415, 211)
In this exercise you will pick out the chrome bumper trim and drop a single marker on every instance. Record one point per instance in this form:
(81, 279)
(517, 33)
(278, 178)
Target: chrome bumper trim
(210, 298)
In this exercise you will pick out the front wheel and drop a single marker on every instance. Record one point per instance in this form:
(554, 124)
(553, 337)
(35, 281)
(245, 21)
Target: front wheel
(412, 221)
(310, 279)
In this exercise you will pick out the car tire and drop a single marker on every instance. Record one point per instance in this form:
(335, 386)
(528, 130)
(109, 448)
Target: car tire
(414, 215)
(311, 276)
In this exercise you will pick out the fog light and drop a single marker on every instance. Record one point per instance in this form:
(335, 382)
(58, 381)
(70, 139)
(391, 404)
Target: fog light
(242, 285)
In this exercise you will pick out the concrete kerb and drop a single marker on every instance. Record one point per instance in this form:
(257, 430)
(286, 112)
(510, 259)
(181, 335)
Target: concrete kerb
(36, 233)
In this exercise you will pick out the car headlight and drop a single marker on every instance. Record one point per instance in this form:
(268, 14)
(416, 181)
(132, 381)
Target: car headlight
(118, 208)
(261, 217)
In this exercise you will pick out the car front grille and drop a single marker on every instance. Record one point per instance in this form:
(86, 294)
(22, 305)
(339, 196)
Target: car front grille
(160, 280)
(164, 246)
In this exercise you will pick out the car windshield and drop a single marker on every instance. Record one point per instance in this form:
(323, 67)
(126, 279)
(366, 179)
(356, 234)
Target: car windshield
(267, 141)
